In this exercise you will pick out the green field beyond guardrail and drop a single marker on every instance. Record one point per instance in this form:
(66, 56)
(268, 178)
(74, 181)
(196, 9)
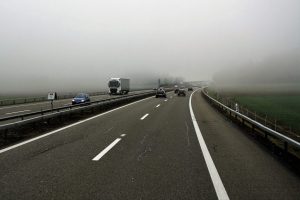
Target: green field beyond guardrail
(279, 112)
(284, 109)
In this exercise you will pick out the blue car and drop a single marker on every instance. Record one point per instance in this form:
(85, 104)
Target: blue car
(81, 98)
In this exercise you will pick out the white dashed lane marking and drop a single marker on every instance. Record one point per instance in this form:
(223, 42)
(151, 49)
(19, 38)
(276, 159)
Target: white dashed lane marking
(142, 118)
(109, 147)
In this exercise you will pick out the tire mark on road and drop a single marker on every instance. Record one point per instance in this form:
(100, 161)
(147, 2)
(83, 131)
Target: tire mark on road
(108, 130)
(142, 155)
(187, 134)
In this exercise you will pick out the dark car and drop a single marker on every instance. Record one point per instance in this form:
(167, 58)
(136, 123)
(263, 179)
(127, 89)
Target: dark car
(81, 98)
(176, 90)
(181, 92)
(190, 89)
(161, 93)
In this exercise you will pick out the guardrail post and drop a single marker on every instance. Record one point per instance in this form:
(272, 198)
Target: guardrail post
(285, 147)
(5, 133)
(266, 121)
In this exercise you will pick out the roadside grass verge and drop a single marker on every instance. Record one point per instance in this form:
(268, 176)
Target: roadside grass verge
(285, 109)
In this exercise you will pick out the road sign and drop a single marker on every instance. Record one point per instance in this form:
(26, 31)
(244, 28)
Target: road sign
(52, 96)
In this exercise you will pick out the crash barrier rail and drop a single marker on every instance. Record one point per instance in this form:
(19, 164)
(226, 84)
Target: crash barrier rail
(274, 123)
(33, 117)
(6, 102)
(254, 124)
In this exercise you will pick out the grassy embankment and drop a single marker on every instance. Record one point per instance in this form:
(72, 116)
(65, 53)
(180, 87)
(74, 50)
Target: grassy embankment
(284, 108)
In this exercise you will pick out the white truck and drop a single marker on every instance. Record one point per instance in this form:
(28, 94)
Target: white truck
(118, 85)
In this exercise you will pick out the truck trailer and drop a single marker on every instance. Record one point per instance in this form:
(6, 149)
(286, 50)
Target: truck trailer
(118, 86)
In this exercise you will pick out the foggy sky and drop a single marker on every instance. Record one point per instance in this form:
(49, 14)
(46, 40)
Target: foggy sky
(80, 44)
(278, 73)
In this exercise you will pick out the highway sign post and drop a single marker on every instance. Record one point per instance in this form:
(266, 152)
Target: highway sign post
(52, 96)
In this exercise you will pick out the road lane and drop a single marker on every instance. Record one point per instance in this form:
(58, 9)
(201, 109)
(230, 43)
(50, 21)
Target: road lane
(39, 106)
(55, 163)
(157, 158)
(215, 177)
(46, 168)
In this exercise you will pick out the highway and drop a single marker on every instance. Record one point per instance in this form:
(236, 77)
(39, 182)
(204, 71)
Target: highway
(13, 110)
(148, 149)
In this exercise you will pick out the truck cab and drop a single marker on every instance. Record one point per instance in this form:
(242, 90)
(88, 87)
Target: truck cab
(118, 86)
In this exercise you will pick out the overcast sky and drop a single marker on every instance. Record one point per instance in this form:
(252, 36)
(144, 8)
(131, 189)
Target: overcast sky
(48, 44)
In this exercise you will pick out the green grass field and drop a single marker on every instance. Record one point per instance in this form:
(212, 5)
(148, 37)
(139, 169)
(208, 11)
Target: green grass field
(286, 109)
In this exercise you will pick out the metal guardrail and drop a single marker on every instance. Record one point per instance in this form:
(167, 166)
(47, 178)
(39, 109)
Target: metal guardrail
(6, 102)
(254, 123)
(28, 118)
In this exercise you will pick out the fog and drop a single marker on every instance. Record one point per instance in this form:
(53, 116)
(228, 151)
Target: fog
(279, 73)
(77, 45)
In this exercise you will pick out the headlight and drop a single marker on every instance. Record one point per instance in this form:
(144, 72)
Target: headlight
(82, 100)
(73, 100)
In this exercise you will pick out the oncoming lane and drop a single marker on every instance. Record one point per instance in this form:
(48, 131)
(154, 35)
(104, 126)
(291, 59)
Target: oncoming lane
(39, 106)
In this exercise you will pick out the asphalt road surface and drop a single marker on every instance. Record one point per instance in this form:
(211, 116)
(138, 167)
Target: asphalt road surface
(146, 150)
(13, 110)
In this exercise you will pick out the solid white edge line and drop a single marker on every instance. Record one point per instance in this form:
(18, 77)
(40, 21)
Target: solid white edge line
(146, 115)
(17, 112)
(104, 151)
(23, 105)
(214, 175)
(68, 126)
